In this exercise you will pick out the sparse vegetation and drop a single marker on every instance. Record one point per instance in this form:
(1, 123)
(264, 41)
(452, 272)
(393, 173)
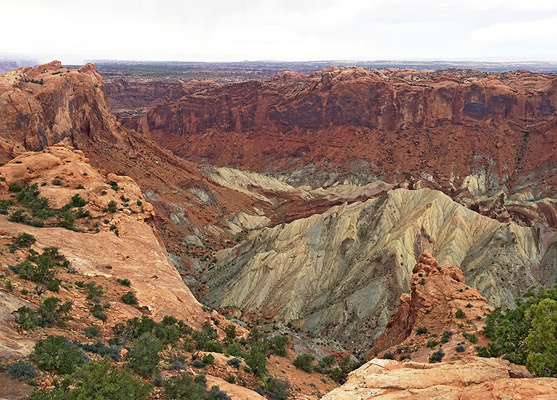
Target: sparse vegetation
(129, 298)
(57, 354)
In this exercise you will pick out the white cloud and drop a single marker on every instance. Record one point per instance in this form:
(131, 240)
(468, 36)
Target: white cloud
(287, 30)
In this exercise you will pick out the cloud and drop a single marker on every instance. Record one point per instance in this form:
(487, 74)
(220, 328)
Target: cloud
(287, 30)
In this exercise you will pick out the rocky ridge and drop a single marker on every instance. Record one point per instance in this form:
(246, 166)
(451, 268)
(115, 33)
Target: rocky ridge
(358, 124)
(441, 312)
(342, 272)
(471, 378)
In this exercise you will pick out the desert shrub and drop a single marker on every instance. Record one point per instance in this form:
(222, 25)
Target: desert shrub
(471, 337)
(325, 363)
(92, 331)
(234, 363)
(509, 329)
(56, 182)
(27, 318)
(277, 345)
(52, 311)
(97, 381)
(437, 356)
(40, 268)
(112, 352)
(183, 387)
(460, 314)
(95, 292)
(124, 282)
(460, 348)
(53, 286)
(235, 350)
(542, 338)
(446, 336)
(112, 206)
(78, 201)
(129, 298)
(114, 185)
(432, 343)
(5, 204)
(65, 219)
(22, 370)
(57, 354)
(275, 389)
(304, 362)
(97, 311)
(198, 363)
(208, 359)
(143, 356)
(167, 333)
(388, 356)
(256, 359)
(213, 346)
(124, 198)
(23, 240)
(422, 330)
(230, 332)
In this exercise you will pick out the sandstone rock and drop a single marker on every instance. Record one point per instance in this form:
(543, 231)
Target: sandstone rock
(473, 378)
(437, 293)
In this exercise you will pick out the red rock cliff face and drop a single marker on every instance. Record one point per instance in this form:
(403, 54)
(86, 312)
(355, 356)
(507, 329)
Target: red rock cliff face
(450, 119)
(43, 105)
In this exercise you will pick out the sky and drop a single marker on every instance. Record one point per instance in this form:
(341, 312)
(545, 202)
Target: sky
(299, 30)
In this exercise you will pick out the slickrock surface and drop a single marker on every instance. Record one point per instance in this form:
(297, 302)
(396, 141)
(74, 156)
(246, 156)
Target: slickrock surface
(136, 254)
(340, 274)
(470, 379)
(437, 293)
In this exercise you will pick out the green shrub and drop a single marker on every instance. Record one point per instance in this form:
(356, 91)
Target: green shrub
(41, 268)
(256, 359)
(542, 338)
(277, 345)
(508, 329)
(57, 182)
(78, 201)
(446, 336)
(460, 314)
(24, 240)
(22, 370)
(235, 350)
(208, 359)
(432, 343)
(460, 349)
(98, 312)
(144, 356)
(437, 356)
(125, 282)
(421, 330)
(57, 354)
(112, 206)
(388, 356)
(183, 387)
(471, 337)
(129, 298)
(27, 318)
(304, 362)
(95, 292)
(52, 312)
(97, 381)
(53, 286)
(274, 388)
(230, 331)
(92, 331)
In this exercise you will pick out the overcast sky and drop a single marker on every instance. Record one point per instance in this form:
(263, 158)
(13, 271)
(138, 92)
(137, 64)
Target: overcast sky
(297, 30)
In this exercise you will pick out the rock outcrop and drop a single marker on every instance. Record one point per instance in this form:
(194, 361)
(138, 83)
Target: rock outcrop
(340, 274)
(470, 379)
(441, 311)
(135, 252)
(449, 124)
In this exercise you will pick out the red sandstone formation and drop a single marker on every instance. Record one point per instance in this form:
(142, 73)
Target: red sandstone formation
(438, 292)
(446, 123)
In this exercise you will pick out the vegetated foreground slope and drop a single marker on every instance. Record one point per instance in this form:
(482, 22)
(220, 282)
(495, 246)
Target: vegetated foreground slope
(358, 124)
